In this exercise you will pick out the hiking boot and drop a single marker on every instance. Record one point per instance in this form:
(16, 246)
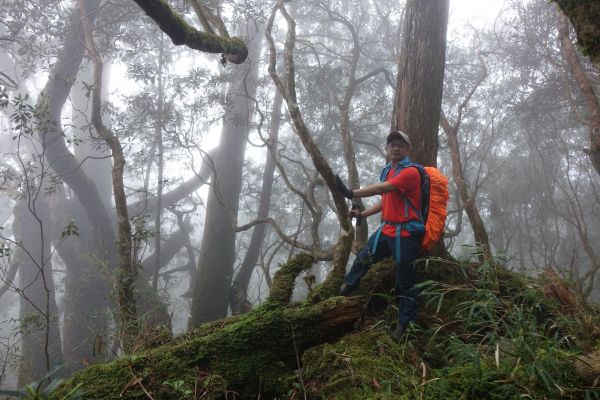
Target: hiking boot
(398, 332)
(345, 290)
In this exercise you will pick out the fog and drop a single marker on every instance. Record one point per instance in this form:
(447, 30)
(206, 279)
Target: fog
(218, 185)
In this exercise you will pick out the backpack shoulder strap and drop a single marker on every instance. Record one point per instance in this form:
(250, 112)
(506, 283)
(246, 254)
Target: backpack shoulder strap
(384, 172)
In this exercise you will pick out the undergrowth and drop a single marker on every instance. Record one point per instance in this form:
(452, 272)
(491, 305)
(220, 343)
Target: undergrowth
(495, 336)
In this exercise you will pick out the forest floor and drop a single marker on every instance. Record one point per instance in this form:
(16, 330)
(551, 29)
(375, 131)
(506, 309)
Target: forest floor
(483, 333)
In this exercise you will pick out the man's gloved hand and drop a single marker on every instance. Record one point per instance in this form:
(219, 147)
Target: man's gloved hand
(342, 188)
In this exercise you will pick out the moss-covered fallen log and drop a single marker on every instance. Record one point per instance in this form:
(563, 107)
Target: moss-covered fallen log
(254, 355)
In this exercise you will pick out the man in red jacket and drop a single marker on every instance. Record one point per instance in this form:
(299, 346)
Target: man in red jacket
(401, 230)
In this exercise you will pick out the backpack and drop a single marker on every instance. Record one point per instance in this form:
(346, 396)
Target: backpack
(434, 198)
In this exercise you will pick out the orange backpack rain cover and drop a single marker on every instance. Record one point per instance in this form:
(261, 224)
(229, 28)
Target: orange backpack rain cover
(438, 200)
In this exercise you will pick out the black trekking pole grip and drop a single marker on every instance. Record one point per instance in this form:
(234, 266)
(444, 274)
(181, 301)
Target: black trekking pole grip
(359, 219)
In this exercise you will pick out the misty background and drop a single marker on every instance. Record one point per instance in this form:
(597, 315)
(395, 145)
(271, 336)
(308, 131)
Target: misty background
(218, 187)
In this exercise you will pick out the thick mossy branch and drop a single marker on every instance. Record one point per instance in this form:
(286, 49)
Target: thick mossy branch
(181, 33)
(585, 16)
(331, 286)
(283, 282)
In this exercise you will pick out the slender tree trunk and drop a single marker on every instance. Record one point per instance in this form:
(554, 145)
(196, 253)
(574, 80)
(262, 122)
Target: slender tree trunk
(466, 196)
(217, 253)
(287, 88)
(127, 273)
(418, 97)
(160, 163)
(239, 294)
(41, 346)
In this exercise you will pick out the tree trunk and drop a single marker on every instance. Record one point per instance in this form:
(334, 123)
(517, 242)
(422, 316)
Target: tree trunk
(239, 293)
(217, 252)
(41, 346)
(87, 289)
(158, 134)
(585, 16)
(341, 250)
(586, 89)
(57, 154)
(466, 196)
(418, 96)
(128, 270)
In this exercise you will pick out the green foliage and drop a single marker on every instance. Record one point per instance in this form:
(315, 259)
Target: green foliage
(42, 390)
(179, 387)
(69, 230)
(499, 339)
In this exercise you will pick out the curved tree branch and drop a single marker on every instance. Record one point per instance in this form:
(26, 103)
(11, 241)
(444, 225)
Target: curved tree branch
(182, 33)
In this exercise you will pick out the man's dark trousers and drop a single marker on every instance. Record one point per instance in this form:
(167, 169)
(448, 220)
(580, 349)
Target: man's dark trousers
(406, 276)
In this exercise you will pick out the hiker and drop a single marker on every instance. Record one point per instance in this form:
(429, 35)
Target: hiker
(401, 231)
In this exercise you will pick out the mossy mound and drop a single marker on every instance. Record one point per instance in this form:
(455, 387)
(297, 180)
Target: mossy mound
(363, 365)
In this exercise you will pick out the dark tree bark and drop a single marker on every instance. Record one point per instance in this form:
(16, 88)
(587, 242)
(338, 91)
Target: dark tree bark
(217, 252)
(585, 16)
(239, 289)
(586, 89)
(181, 32)
(418, 96)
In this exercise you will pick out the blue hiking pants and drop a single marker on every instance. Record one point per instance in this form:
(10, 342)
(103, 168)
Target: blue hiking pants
(406, 276)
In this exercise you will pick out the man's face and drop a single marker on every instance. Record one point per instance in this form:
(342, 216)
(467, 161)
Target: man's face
(397, 150)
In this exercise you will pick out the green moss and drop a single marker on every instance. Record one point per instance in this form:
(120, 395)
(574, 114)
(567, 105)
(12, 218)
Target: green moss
(365, 365)
(331, 286)
(181, 32)
(283, 282)
(255, 354)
